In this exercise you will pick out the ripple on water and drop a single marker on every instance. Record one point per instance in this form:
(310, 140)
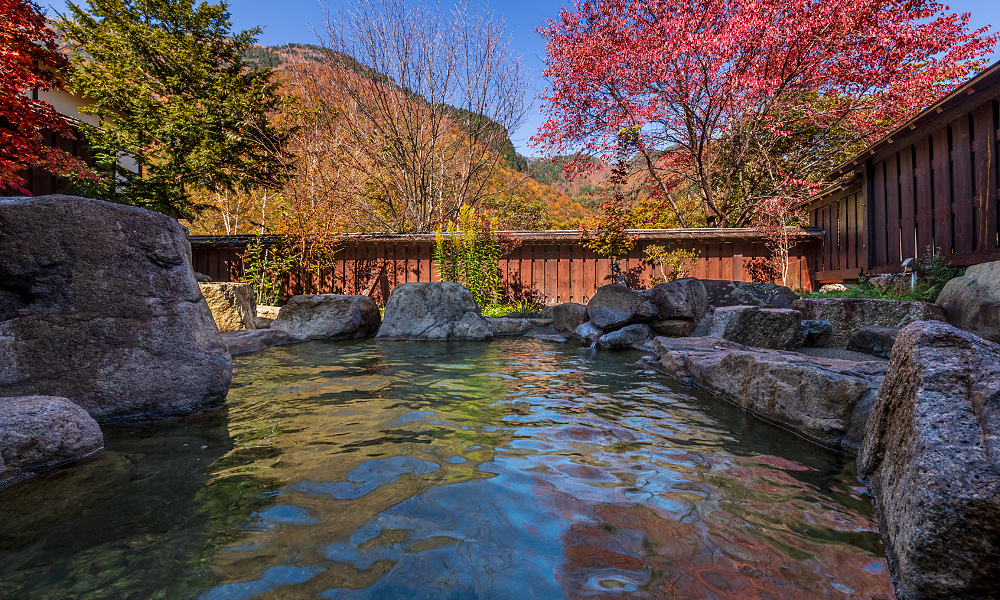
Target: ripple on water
(489, 470)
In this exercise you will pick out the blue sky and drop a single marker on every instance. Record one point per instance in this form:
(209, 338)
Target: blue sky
(285, 21)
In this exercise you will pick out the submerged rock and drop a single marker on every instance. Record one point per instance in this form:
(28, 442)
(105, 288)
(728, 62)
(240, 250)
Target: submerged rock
(721, 292)
(680, 299)
(625, 338)
(824, 399)
(847, 315)
(38, 433)
(433, 311)
(932, 460)
(98, 304)
(615, 306)
(559, 338)
(232, 304)
(329, 316)
(877, 341)
(775, 328)
(568, 316)
(254, 340)
(972, 301)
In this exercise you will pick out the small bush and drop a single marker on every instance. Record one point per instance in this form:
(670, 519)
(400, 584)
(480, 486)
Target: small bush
(935, 272)
(674, 264)
(265, 267)
(502, 310)
(469, 252)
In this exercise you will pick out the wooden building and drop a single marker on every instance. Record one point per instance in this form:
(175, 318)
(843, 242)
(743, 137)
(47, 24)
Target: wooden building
(930, 183)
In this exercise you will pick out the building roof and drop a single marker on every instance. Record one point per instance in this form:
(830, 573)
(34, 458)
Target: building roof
(987, 78)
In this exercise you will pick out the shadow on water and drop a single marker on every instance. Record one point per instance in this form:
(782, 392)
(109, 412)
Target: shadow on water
(400, 470)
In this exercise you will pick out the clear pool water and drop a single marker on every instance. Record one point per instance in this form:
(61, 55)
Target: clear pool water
(511, 470)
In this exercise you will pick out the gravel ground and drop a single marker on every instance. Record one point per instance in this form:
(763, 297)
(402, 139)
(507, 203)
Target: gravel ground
(841, 353)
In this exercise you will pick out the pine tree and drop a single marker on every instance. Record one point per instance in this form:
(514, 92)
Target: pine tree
(176, 98)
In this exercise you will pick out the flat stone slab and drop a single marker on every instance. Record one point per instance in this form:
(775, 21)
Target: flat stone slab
(255, 340)
(824, 399)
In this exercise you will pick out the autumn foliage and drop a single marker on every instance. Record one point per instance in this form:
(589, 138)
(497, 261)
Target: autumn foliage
(29, 60)
(736, 100)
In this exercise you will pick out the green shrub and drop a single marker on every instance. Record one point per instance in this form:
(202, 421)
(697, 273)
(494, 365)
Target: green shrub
(469, 252)
(265, 267)
(935, 271)
(502, 310)
(674, 264)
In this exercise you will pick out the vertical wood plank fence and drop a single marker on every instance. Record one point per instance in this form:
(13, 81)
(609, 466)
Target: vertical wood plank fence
(548, 266)
(934, 182)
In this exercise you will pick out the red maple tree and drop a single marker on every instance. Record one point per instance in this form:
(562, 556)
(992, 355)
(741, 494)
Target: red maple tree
(29, 60)
(737, 99)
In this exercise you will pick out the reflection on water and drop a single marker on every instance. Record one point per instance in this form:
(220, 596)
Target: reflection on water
(503, 470)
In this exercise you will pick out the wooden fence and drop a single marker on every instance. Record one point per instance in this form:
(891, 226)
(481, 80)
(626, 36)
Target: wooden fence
(547, 266)
(931, 183)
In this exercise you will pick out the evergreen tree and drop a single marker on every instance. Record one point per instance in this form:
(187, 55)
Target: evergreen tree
(176, 98)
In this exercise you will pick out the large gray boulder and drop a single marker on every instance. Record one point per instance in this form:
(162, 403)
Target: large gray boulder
(972, 301)
(38, 433)
(847, 315)
(254, 340)
(775, 328)
(433, 311)
(568, 316)
(505, 326)
(615, 306)
(824, 399)
(98, 304)
(931, 457)
(232, 304)
(680, 299)
(626, 338)
(329, 316)
(721, 292)
(874, 340)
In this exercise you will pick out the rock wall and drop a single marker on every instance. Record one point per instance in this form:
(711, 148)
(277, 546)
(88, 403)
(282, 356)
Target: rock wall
(847, 315)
